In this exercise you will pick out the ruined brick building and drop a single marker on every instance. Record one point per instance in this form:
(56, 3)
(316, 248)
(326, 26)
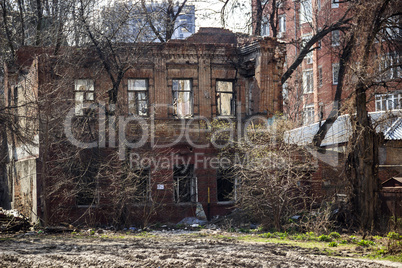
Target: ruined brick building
(79, 167)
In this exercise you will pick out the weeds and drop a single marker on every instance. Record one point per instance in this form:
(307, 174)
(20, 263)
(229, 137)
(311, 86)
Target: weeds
(324, 238)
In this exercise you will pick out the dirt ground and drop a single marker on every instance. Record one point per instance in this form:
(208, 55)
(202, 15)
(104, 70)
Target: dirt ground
(161, 249)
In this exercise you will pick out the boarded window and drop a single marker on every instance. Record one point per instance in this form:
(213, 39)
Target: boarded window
(225, 100)
(83, 94)
(138, 97)
(225, 182)
(184, 184)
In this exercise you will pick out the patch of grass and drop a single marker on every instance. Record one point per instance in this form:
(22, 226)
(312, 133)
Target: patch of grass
(335, 235)
(244, 230)
(365, 243)
(266, 235)
(333, 244)
(325, 238)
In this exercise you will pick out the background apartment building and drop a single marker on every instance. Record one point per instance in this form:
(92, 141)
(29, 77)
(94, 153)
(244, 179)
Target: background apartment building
(309, 94)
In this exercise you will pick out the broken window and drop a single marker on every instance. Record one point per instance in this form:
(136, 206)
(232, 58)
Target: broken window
(87, 185)
(84, 94)
(225, 100)
(140, 185)
(226, 183)
(182, 98)
(138, 97)
(86, 195)
(185, 188)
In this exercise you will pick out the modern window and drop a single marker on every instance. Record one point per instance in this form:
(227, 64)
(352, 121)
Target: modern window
(320, 76)
(308, 83)
(384, 102)
(225, 98)
(390, 67)
(226, 185)
(282, 25)
(265, 26)
(83, 94)
(182, 98)
(308, 117)
(335, 73)
(334, 3)
(138, 97)
(309, 56)
(306, 13)
(335, 38)
(185, 184)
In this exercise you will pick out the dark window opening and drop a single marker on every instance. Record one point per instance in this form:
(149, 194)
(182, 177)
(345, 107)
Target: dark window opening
(184, 184)
(225, 185)
(86, 169)
(140, 185)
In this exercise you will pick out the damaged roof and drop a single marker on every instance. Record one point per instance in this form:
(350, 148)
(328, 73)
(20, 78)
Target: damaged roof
(389, 123)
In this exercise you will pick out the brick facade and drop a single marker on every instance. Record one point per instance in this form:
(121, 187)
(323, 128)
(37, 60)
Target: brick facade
(252, 65)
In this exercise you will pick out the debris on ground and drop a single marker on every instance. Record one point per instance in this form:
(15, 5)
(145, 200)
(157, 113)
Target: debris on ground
(12, 221)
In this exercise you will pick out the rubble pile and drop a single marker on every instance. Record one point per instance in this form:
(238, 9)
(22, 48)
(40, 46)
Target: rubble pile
(12, 221)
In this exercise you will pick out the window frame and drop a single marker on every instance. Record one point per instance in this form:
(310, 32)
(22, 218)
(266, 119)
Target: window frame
(385, 100)
(265, 28)
(303, 14)
(233, 102)
(309, 55)
(234, 186)
(192, 181)
(306, 89)
(320, 81)
(282, 24)
(335, 69)
(335, 38)
(80, 105)
(146, 176)
(136, 100)
(307, 109)
(191, 98)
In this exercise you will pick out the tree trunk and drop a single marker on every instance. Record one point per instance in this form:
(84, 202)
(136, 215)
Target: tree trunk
(362, 165)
